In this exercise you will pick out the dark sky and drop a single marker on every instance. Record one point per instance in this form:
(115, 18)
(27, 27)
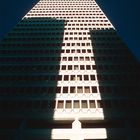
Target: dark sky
(124, 15)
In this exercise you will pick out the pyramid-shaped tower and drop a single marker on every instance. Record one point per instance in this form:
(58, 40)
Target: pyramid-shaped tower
(65, 74)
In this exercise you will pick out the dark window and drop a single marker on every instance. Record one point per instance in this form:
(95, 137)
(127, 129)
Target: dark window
(100, 103)
(94, 89)
(82, 67)
(86, 77)
(66, 77)
(58, 89)
(72, 89)
(65, 89)
(63, 67)
(59, 77)
(88, 67)
(70, 67)
(92, 77)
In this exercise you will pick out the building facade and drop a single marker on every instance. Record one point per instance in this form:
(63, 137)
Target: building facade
(66, 75)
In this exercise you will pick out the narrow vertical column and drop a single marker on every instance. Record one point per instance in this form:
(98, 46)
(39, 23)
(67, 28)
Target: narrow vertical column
(77, 133)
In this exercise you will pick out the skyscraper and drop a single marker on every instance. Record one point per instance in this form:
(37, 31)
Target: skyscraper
(66, 74)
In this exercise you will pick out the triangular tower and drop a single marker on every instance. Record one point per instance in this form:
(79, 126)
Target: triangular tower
(66, 75)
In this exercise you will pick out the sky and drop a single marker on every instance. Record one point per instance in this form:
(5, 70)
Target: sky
(124, 15)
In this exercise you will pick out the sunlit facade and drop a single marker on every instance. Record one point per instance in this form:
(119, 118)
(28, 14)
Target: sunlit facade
(67, 75)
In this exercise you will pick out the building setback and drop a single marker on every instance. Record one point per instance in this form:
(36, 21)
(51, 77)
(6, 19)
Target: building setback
(66, 75)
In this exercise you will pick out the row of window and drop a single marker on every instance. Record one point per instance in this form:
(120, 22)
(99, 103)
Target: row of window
(48, 21)
(77, 67)
(52, 90)
(45, 45)
(65, 38)
(46, 38)
(51, 3)
(64, 1)
(49, 51)
(84, 77)
(67, 104)
(67, 7)
(53, 28)
(61, 14)
(64, 11)
(50, 59)
(62, 24)
(72, 17)
(41, 35)
(48, 78)
(45, 68)
(77, 59)
(56, 68)
(58, 51)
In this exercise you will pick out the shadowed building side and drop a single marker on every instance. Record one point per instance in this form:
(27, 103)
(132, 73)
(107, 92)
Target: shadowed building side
(118, 76)
(30, 62)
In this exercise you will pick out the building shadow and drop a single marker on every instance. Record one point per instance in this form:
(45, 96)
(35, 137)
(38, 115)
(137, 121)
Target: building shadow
(29, 70)
(119, 87)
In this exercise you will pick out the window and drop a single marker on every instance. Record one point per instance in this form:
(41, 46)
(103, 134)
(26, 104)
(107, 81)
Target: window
(58, 89)
(72, 89)
(72, 51)
(66, 77)
(65, 89)
(76, 67)
(92, 104)
(60, 104)
(79, 77)
(92, 77)
(81, 58)
(76, 104)
(78, 51)
(75, 58)
(63, 67)
(82, 67)
(83, 51)
(84, 104)
(99, 104)
(70, 58)
(64, 58)
(93, 67)
(88, 67)
(68, 104)
(79, 89)
(94, 89)
(87, 58)
(86, 77)
(69, 67)
(87, 89)
(73, 77)
(59, 77)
